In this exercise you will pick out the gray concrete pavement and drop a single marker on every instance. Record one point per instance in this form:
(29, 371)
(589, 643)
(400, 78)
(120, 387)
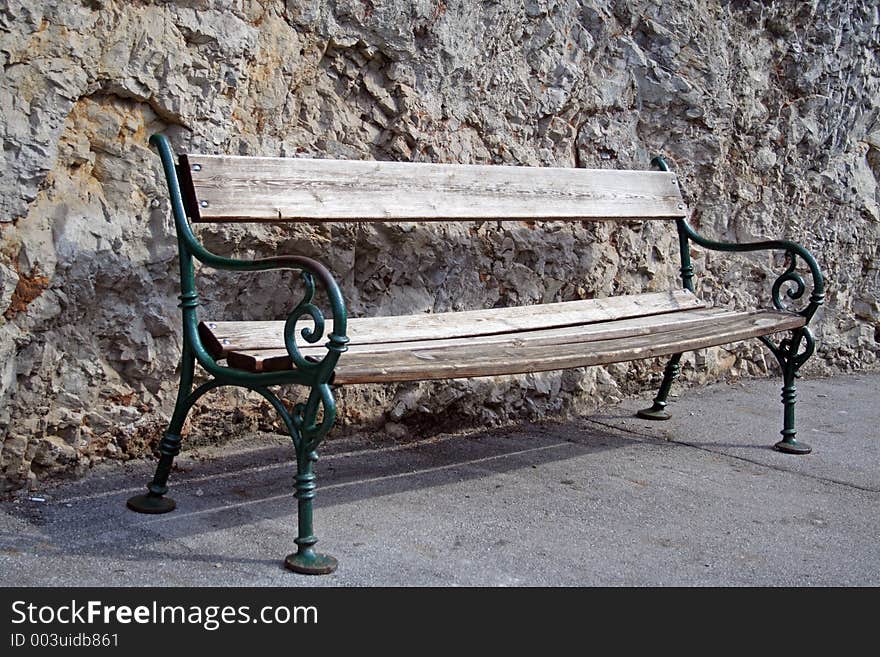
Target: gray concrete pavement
(603, 500)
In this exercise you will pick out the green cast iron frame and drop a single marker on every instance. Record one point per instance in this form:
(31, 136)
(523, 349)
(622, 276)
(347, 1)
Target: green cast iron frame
(791, 352)
(308, 423)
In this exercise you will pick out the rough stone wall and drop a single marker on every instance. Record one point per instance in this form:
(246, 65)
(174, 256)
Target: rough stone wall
(768, 110)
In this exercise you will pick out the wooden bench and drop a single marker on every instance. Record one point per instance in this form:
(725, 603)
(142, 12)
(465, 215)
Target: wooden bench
(319, 350)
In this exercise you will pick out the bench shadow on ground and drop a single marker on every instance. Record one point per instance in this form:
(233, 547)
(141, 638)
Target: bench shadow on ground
(89, 517)
(671, 431)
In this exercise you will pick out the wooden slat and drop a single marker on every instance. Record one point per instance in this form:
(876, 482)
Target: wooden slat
(234, 188)
(221, 337)
(478, 360)
(273, 360)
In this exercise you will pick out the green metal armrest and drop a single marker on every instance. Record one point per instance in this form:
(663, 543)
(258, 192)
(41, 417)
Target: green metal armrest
(306, 372)
(793, 250)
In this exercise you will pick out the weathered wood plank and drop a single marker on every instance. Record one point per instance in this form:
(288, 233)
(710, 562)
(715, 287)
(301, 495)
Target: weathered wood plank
(273, 360)
(536, 350)
(472, 361)
(233, 188)
(220, 337)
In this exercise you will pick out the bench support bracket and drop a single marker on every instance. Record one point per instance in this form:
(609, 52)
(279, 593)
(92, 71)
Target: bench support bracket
(308, 422)
(305, 431)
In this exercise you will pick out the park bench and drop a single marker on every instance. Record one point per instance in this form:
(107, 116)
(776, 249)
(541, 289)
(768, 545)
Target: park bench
(319, 350)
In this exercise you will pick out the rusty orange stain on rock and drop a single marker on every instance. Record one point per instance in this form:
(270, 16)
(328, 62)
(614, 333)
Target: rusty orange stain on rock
(28, 289)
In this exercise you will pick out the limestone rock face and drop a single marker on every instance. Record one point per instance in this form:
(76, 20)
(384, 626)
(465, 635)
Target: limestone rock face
(769, 112)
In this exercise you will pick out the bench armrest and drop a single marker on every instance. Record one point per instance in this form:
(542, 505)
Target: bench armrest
(319, 372)
(790, 276)
(311, 271)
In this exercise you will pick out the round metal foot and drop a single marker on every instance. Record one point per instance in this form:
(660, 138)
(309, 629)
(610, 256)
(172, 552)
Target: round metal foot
(148, 503)
(310, 563)
(793, 447)
(653, 414)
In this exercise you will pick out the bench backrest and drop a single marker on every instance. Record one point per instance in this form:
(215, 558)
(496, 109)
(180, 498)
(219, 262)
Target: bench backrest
(233, 188)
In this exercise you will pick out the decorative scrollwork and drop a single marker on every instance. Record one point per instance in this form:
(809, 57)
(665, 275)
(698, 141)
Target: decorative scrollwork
(792, 352)
(311, 335)
(790, 278)
(790, 275)
(305, 308)
(190, 248)
(305, 417)
(302, 422)
(809, 347)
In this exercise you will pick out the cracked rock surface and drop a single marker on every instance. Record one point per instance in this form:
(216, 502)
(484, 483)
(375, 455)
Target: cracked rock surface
(768, 111)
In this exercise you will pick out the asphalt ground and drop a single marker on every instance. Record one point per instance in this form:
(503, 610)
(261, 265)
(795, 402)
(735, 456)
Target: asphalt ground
(701, 499)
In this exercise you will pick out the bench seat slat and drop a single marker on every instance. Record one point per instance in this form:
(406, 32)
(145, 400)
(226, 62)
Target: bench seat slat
(562, 335)
(272, 360)
(235, 188)
(221, 337)
(476, 360)
(535, 350)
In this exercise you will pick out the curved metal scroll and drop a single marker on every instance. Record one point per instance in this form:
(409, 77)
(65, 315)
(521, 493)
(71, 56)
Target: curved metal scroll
(788, 351)
(302, 424)
(337, 341)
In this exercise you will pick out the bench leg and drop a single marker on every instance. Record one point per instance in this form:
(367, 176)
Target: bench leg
(789, 443)
(791, 361)
(791, 357)
(305, 560)
(658, 409)
(154, 500)
(306, 432)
